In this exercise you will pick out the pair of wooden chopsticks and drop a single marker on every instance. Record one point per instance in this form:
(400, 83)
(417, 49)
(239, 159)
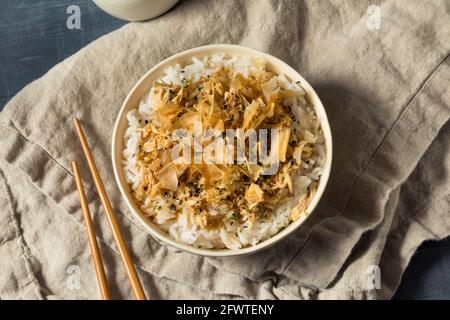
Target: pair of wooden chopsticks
(98, 263)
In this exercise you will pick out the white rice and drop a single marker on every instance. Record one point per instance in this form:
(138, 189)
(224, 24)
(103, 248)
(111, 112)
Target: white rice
(233, 235)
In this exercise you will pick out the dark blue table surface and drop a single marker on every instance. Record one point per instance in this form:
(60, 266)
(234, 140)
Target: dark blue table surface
(34, 37)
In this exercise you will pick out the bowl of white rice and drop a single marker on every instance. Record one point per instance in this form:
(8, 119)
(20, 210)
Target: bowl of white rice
(222, 150)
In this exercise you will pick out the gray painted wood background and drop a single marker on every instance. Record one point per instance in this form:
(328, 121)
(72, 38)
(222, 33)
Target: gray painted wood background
(34, 37)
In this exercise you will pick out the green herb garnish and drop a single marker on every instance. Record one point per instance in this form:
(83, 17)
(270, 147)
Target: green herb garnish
(185, 82)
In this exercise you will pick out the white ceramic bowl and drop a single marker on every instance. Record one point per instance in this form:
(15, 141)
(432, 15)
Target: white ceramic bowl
(143, 86)
(135, 10)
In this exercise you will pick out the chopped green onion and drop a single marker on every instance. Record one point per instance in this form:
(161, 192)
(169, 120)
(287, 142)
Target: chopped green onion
(185, 82)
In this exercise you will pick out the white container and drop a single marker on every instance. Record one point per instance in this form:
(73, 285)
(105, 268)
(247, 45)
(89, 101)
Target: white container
(135, 10)
(141, 88)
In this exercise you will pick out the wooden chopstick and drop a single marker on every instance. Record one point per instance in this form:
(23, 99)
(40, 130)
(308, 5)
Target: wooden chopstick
(98, 262)
(129, 267)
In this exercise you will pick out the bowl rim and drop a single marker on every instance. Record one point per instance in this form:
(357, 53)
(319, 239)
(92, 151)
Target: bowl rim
(117, 149)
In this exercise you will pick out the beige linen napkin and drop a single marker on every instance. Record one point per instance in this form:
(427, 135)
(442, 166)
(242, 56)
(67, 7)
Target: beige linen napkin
(382, 71)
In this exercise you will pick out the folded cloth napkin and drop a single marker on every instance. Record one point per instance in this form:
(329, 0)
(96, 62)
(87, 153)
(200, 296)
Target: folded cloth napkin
(382, 72)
